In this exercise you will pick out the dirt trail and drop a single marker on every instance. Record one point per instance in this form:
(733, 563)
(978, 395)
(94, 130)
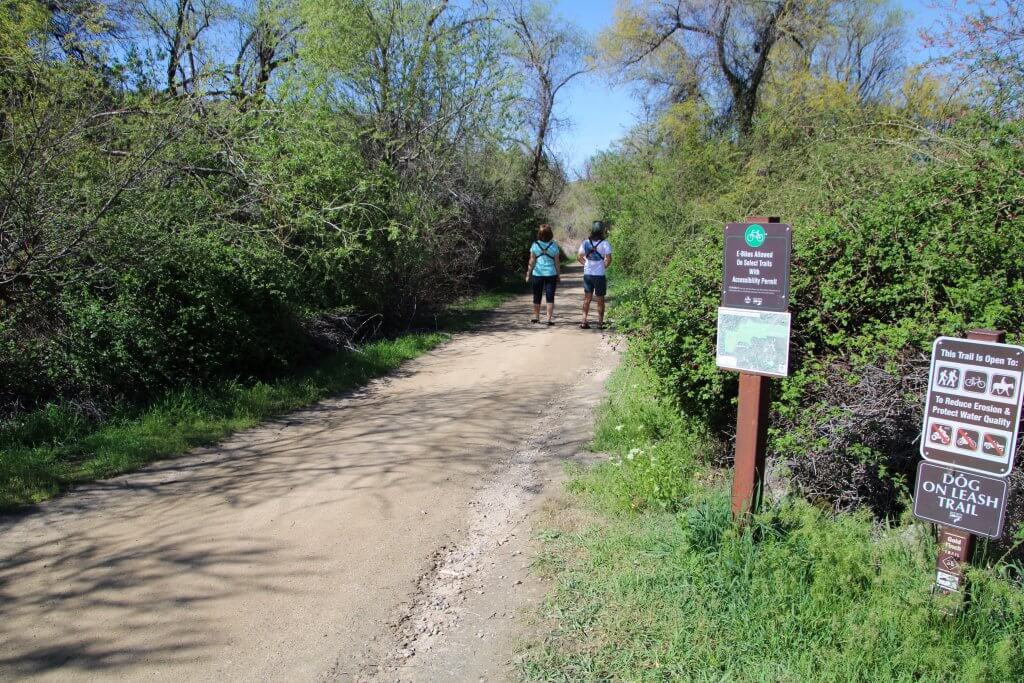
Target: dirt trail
(381, 535)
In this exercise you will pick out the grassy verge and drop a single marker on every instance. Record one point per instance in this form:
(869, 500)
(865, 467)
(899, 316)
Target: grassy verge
(659, 585)
(52, 449)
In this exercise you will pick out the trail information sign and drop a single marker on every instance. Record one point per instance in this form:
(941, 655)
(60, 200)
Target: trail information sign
(963, 500)
(972, 412)
(756, 272)
(753, 341)
(953, 547)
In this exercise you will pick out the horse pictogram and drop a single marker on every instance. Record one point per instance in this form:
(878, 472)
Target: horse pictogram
(1002, 385)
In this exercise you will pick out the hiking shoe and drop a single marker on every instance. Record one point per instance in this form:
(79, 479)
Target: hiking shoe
(584, 326)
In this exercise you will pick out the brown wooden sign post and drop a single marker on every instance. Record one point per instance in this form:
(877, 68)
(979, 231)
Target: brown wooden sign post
(751, 443)
(956, 545)
(751, 428)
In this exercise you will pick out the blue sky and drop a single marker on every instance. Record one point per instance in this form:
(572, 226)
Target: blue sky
(599, 113)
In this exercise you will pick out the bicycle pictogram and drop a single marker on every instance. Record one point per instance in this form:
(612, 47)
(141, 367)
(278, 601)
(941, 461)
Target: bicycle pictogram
(975, 381)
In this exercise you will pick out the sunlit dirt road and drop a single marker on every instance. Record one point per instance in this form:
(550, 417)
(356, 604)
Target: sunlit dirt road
(383, 535)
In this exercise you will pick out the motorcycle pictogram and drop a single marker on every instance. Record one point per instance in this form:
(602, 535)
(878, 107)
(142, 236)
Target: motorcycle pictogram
(995, 443)
(966, 439)
(940, 434)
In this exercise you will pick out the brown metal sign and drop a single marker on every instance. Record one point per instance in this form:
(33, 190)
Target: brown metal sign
(954, 554)
(756, 270)
(972, 412)
(964, 500)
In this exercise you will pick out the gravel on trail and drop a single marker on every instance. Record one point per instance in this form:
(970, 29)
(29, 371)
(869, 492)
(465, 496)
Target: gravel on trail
(381, 535)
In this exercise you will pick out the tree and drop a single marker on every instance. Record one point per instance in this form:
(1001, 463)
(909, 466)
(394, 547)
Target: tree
(860, 44)
(982, 42)
(269, 31)
(425, 77)
(735, 36)
(552, 53)
(177, 27)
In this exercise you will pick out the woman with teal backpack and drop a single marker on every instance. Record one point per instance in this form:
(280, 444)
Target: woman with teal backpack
(544, 271)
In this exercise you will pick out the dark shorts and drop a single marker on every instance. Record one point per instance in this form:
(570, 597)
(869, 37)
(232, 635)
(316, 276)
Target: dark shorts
(596, 284)
(544, 284)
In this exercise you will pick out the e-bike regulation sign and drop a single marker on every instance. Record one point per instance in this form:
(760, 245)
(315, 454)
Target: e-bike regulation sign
(972, 412)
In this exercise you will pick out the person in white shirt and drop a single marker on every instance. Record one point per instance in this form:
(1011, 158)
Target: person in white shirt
(596, 255)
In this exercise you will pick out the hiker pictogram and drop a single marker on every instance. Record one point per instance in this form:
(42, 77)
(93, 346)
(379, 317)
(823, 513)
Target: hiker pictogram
(949, 378)
(941, 433)
(1003, 385)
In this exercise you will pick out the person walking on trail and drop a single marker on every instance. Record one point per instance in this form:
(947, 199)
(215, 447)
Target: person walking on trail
(596, 255)
(544, 271)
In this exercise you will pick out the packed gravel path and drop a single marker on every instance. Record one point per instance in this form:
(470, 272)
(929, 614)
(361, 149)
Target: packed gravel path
(381, 535)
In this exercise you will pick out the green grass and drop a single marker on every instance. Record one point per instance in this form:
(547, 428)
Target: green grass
(47, 451)
(654, 588)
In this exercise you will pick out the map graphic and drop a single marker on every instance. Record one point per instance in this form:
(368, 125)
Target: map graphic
(753, 341)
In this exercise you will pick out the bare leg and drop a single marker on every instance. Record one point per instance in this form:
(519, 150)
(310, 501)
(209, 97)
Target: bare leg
(551, 311)
(600, 310)
(587, 296)
(536, 311)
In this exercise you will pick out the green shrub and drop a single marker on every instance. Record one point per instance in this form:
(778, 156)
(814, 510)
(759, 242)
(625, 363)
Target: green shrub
(879, 270)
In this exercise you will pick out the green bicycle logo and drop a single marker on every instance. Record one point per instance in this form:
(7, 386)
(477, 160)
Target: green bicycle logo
(755, 235)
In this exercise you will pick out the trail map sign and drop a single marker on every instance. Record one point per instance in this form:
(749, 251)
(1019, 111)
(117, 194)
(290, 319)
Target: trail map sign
(967, 501)
(972, 412)
(753, 341)
(756, 272)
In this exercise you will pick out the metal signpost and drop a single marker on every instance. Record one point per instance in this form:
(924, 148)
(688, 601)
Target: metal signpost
(753, 338)
(971, 420)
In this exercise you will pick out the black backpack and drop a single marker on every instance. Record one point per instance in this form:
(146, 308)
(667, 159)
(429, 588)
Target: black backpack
(593, 250)
(544, 251)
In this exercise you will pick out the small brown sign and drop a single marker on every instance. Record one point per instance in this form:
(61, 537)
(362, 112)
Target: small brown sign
(964, 500)
(954, 548)
(972, 412)
(756, 270)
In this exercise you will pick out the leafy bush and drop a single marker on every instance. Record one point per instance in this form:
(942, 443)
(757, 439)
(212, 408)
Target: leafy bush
(163, 242)
(878, 271)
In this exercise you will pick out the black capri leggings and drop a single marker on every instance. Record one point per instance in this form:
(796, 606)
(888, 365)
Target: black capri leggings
(544, 284)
